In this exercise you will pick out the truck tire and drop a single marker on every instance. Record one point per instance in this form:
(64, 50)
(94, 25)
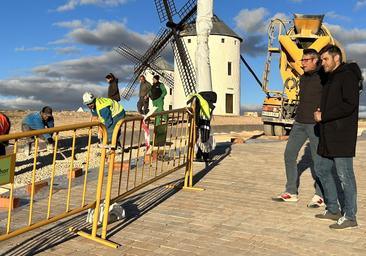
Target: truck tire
(268, 129)
(279, 130)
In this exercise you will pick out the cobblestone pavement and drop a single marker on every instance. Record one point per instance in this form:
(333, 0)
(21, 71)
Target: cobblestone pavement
(234, 215)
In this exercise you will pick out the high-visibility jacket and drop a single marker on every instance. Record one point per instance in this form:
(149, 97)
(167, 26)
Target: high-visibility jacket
(113, 106)
(205, 107)
(4, 124)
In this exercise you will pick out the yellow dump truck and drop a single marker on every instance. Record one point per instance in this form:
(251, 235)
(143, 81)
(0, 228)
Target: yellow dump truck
(305, 31)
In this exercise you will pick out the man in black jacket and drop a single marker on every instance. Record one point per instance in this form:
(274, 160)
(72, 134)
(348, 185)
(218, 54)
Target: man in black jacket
(338, 118)
(304, 128)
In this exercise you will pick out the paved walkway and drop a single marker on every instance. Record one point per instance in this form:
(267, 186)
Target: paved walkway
(234, 215)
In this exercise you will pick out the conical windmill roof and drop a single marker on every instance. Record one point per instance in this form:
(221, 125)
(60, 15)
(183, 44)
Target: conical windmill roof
(218, 28)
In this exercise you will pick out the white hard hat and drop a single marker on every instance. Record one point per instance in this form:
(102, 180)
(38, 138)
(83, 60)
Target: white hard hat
(88, 98)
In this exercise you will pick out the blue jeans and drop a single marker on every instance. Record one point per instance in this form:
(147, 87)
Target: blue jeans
(344, 167)
(111, 128)
(299, 134)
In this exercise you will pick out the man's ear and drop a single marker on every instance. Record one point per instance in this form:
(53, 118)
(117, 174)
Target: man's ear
(337, 58)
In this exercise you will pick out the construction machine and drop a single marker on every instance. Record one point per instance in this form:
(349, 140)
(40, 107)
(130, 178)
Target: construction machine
(304, 31)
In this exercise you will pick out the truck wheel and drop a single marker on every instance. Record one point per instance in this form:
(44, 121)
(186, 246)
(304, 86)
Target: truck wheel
(268, 129)
(279, 130)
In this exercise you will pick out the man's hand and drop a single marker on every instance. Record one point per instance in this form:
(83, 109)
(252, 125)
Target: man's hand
(317, 115)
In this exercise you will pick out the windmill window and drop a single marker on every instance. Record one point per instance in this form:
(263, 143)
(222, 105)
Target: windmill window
(229, 103)
(229, 68)
(222, 40)
(189, 40)
(170, 91)
(170, 107)
(235, 42)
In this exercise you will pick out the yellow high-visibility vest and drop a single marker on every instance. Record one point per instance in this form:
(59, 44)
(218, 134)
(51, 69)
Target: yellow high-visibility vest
(205, 107)
(113, 105)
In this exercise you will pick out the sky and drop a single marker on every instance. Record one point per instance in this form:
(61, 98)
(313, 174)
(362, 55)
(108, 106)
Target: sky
(53, 51)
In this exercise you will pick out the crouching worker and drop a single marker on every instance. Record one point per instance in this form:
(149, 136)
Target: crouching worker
(109, 111)
(4, 129)
(203, 112)
(37, 121)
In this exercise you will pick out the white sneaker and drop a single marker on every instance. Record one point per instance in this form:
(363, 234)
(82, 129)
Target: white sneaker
(316, 202)
(286, 197)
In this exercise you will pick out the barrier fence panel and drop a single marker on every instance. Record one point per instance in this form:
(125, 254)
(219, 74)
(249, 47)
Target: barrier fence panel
(143, 152)
(45, 186)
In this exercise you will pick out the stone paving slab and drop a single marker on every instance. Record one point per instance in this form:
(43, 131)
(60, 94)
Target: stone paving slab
(234, 215)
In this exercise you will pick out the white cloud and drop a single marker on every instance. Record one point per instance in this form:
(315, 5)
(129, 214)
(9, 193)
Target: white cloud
(334, 15)
(91, 69)
(360, 4)
(251, 20)
(72, 4)
(69, 24)
(31, 49)
(346, 36)
(67, 50)
(254, 24)
(61, 41)
(34, 92)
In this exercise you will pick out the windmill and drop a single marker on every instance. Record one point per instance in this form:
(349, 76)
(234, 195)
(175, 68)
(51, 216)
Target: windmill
(166, 10)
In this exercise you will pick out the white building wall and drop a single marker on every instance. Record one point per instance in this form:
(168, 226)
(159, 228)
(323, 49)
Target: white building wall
(223, 49)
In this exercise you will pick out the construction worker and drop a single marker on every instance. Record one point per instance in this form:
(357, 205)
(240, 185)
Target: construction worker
(157, 95)
(37, 121)
(204, 108)
(109, 111)
(4, 129)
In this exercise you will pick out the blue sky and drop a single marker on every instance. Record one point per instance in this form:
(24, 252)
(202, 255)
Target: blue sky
(53, 51)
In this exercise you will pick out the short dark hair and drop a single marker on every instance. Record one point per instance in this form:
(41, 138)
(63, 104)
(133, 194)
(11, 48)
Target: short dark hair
(47, 110)
(157, 77)
(311, 51)
(332, 50)
(110, 76)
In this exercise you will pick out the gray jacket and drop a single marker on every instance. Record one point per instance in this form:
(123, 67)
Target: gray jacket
(144, 88)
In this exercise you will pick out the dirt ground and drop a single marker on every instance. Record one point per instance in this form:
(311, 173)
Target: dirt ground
(72, 117)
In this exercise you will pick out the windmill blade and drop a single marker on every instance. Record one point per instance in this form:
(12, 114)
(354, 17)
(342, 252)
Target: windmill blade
(187, 8)
(129, 53)
(160, 7)
(135, 57)
(185, 67)
(157, 45)
(184, 63)
(130, 88)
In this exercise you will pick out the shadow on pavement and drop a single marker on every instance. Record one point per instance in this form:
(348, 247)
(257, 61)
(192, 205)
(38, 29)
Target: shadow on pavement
(135, 207)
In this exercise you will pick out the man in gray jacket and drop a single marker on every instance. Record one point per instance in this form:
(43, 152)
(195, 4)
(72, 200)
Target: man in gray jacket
(143, 103)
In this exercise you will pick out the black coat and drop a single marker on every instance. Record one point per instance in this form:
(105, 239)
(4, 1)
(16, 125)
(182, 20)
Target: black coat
(339, 107)
(113, 91)
(310, 95)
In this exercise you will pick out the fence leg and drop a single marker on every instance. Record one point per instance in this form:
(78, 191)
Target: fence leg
(188, 177)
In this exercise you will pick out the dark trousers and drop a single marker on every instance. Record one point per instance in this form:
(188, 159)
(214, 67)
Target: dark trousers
(2, 149)
(143, 106)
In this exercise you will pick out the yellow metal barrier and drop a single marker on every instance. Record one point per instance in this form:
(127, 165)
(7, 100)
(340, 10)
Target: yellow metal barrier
(137, 165)
(66, 196)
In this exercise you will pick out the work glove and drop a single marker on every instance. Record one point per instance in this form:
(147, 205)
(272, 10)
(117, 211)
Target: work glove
(50, 141)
